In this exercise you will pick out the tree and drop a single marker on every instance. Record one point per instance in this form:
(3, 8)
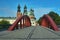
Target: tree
(39, 20)
(57, 20)
(3, 24)
(55, 17)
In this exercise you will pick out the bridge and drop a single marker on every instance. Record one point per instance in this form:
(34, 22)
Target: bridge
(48, 30)
(25, 22)
(31, 33)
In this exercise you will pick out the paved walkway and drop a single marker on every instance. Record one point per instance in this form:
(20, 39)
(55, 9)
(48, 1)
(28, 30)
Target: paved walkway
(30, 33)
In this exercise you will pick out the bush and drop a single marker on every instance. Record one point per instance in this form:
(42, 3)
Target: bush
(4, 23)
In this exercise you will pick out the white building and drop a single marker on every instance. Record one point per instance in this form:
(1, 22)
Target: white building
(11, 20)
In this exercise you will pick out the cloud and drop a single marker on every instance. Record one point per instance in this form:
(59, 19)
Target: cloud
(39, 12)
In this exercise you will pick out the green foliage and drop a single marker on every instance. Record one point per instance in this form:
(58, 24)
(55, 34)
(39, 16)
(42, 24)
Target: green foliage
(4, 23)
(57, 20)
(55, 17)
(39, 21)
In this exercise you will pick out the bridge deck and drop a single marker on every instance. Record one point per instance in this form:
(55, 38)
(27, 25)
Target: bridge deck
(30, 33)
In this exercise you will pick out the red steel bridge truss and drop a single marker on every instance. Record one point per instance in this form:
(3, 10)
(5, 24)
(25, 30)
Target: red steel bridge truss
(25, 22)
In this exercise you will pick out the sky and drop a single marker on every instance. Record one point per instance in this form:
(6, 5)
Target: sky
(8, 8)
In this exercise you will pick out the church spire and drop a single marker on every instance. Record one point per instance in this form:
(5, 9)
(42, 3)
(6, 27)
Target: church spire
(32, 12)
(19, 14)
(18, 8)
(25, 10)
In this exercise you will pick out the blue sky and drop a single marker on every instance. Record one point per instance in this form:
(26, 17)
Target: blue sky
(41, 7)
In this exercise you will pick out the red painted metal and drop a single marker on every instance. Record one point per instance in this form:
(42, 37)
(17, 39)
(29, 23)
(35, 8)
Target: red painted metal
(27, 24)
(44, 22)
(19, 19)
(21, 24)
(47, 21)
(26, 21)
(14, 24)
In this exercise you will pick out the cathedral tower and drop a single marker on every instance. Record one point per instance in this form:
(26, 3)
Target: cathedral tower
(19, 11)
(25, 10)
(31, 15)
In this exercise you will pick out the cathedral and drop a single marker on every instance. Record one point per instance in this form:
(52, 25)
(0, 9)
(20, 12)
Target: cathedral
(25, 12)
(19, 14)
